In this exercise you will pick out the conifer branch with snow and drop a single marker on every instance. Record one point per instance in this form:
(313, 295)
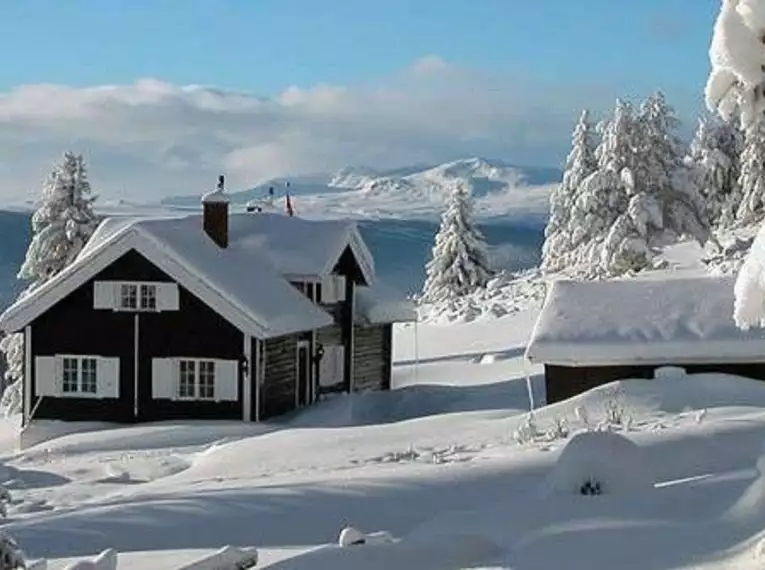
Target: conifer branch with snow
(459, 261)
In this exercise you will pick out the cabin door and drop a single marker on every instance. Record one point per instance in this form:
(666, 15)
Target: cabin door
(303, 373)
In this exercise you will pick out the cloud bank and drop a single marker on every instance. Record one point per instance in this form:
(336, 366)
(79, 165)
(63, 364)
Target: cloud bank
(151, 139)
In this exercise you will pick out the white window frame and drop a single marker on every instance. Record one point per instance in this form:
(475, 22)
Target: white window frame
(196, 380)
(79, 381)
(143, 290)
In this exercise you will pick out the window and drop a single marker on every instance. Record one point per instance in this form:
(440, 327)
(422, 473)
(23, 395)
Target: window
(188, 379)
(197, 380)
(128, 296)
(79, 376)
(138, 296)
(148, 297)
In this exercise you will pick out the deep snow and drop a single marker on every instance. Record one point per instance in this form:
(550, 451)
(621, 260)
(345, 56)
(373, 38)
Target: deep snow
(438, 463)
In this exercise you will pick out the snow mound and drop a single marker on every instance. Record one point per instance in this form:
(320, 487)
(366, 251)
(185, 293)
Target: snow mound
(107, 560)
(506, 294)
(441, 553)
(600, 463)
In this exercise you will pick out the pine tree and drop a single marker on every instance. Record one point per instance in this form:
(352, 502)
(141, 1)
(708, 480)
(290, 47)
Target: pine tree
(714, 155)
(580, 163)
(752, 181)
(663, 203)
(459, 264)
(62, 224)
(11, 555)
(601, 197)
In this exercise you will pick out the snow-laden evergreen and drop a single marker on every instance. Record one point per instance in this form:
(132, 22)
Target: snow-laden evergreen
(11, 555)
(714, 155)
(751, 208)
(601, 196)
(460, 262)
(61, 225)
(63, 222)
(737, 54)
(663, 202)
(581, 162)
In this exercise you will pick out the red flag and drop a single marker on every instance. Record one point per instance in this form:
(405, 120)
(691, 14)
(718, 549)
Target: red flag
(290, 210)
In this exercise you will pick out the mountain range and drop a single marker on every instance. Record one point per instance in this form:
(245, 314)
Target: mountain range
(417, 191)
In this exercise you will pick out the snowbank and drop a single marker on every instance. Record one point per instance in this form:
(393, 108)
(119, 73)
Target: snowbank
(506, 294)
(600, 463)
(446, 553)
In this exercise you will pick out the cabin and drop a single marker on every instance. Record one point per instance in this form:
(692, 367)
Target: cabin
(595, 332)
(219, 316)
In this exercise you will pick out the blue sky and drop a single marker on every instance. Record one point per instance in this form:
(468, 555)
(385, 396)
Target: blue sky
(266, 45)
(306, 86)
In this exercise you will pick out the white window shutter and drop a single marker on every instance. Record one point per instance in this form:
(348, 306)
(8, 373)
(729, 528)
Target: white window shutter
(226, 380)
(108, 377)
(47, 377)
(340, 288)
(163, 379)
(331, 366)
(328, 294)
(104, 295)
(168, 297)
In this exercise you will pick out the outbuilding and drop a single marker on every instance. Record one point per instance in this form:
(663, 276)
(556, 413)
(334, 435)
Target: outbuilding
(590, 333)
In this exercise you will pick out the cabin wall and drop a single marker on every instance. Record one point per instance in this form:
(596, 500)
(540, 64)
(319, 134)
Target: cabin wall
(278, 391)
(74, 327)
(372, 358)
(563, 382)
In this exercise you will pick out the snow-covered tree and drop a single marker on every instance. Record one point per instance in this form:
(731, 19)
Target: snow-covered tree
(751, 206)
(663, 203)
(460, 263)
(736, 83)
(61, 225)
(11, 555)
(714, 155)
(735, 88)
(581, 162)
(601, 196)
(63, 222)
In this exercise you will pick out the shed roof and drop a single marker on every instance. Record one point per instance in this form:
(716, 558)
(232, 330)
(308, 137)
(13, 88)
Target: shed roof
(642, 321)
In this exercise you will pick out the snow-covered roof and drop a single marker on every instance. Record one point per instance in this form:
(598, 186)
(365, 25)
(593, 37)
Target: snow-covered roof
(297, 247)
(656, 321)
(215, 196)
(380, 305)
(245, 282)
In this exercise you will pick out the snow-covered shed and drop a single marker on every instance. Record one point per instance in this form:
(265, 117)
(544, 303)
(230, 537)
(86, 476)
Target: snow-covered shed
(593, 332)
(214, 316)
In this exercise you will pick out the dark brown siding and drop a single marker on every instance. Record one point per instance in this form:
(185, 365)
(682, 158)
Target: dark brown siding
(279, 383)
(372, 358)
(563, 382)
(72, 326)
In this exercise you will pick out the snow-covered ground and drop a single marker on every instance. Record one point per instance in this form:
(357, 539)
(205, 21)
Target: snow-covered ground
(450, 463)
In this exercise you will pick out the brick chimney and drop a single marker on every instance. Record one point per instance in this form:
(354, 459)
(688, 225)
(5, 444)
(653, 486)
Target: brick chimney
(215, 214)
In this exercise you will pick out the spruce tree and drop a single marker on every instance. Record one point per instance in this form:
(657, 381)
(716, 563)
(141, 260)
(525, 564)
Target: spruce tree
(601, 197)
(751, 208)
(715, 153)
(61, 225)
(460, 263)
(663, 203)
(580, 163)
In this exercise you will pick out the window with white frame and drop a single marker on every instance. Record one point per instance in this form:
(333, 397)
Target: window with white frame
(128, 296)
(197, 380)
(138, 296)
(148, 297)
(79, 375)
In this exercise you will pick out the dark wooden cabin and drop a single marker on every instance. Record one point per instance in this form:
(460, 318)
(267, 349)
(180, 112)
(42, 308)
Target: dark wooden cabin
(592, 333)
(222, 316)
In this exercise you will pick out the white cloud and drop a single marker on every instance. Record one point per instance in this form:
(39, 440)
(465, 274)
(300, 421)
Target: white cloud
(151, 138)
